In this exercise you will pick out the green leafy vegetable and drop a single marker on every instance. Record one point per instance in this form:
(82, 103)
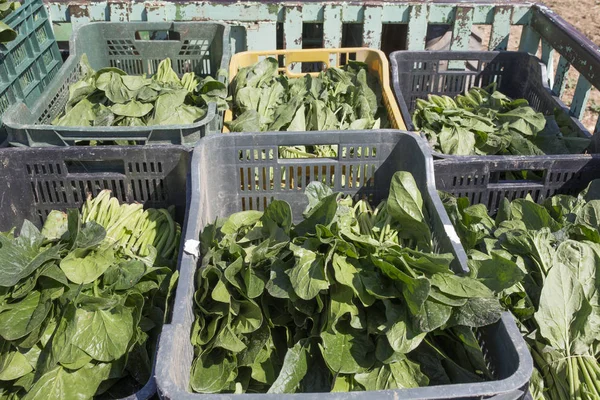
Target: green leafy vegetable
(484, 121)
(110, 97)
(350, 298)
(7, 34)
(84, 300)
(336, 99)
(542, 261)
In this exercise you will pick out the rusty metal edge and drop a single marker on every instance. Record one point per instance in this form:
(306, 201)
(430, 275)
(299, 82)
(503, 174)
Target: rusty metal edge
(575, 47)
(299, 3)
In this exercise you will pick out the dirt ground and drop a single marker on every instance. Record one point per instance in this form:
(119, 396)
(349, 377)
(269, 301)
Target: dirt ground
(583, 15)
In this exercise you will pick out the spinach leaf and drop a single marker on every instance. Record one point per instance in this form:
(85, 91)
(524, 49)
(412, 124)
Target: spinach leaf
(484, 121)
(88, 300)
(109, 97)
(338, 301)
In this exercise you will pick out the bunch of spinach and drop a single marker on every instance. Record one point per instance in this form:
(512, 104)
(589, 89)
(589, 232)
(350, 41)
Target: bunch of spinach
(484, 121)
(348, 299)
(82, 301)
(7, 34)
(337, 99)
(110, 97)
(551, 253)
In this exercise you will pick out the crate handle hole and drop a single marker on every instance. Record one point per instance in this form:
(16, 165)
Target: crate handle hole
(77, 167)
(306, 67)
(158, 35)
(313, 151)
(512, 176)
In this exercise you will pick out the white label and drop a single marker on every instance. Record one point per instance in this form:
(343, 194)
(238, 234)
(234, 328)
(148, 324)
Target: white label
(192, 247)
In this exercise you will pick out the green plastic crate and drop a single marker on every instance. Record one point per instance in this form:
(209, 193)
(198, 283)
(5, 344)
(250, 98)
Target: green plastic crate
(137, 48)
(30, 62)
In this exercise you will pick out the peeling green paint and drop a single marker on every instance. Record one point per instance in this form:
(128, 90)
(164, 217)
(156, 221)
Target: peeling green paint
(254, 25)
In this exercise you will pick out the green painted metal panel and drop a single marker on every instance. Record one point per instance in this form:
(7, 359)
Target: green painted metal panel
(500, 28)
(441, 14)
(461, 32)
(395, 13)
(292, 28)
(483, 14)
(560, 78)
(372, 27)
(581, 96)
(417, 27)
(262, 36)
(530, 40)
(312, 12)
(254, 26)
(332, 26)
(548, 59)
(352, 13)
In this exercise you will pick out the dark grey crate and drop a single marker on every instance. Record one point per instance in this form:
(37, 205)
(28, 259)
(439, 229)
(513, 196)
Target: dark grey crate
(484, 179)
(415, 74)
(220, 167)
(39, 180)
(137, 48)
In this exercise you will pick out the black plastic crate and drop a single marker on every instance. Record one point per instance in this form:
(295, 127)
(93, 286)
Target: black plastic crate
(39, 180)
(415, 74)
(231, 173)
(487, 180)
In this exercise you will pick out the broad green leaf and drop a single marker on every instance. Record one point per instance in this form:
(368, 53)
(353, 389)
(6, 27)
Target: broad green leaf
(132, 108)
(293, 370)
(308, 274)
(16, 367)
(249, 121)
(457, 141)
(346, 350)
(399, 375)
(405, 205)
(433, 315)
(83, 266)
(347, 274)
(589, 214)
(228, 340)
(477, 312)
(240, 220)
(497, 272)
(460, 286)
(104, 335)
(112, 84)
(7, 34)
(401, 335)
(249, 318)
(165, 73)
(583, 261)
(563, 309)
(125, 275)
(212, 372)
(24, 316)
(533, 215)
(21, 256)
(61, 383)
(323, 213)
(55, 225)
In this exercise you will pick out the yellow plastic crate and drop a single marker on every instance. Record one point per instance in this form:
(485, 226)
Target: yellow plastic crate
(375, 59)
